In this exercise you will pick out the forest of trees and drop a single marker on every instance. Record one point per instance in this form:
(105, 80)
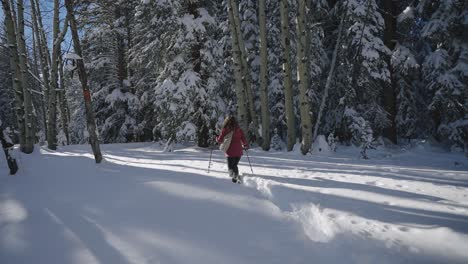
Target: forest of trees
(116, 71)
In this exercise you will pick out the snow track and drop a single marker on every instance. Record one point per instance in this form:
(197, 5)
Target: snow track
(145, 206)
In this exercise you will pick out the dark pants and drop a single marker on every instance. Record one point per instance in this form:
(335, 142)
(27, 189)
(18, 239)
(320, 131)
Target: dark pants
(232, 165)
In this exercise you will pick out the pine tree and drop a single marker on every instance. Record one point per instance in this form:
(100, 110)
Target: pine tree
(445, 68)
(187, 77)
(362, 72)
(275, 74)
(106, 45)
(406, 74)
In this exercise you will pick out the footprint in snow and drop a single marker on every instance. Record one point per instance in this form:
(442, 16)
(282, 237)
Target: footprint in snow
(403, 229)
(332, 216)
(365, 233)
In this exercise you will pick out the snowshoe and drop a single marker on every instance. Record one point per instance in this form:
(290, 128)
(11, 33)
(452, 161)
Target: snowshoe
(237, 179)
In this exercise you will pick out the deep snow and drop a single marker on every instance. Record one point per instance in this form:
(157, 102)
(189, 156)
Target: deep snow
(146, 206)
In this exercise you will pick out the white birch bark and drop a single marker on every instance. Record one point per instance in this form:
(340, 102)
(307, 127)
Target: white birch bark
(15, 69)
(58, 39)
(236, 55)
(42, 49)
(266, 138)
(288, 89)
(28, 146)
(245, 68)
(63, 102)
(23, 60)
(303, 76)
(330, 76)
(90, 121)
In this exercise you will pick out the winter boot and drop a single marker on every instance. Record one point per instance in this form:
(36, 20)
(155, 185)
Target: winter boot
(237, 179)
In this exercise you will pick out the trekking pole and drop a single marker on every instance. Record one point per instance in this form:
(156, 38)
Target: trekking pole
(246, 152)
(209, 163)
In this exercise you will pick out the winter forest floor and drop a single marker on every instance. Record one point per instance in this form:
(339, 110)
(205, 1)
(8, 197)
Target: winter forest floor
(146, 206)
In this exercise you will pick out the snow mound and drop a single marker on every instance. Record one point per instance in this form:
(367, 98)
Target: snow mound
(320, 145)
(317, 226)
(261, 185)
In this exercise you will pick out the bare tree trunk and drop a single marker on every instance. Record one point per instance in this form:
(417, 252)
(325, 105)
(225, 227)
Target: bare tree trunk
(63, 102)
(7, 149)
(58, 39)
(330, 76)
(23, 59)
(38, 66)
(246, 72)
(42, 32)
(42, 38)
(37, 82)
(43, 54)
(288, 88)
(266, 138)
(302, 71)
(16, 69)
(236, 55)
(389, 92)
(91, 124)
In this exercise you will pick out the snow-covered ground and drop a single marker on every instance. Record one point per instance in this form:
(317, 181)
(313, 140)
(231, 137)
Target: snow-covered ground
(145, 206)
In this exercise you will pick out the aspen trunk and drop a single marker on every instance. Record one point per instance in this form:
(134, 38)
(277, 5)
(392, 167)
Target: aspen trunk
(266, 138)
(43, 53)
(303, 75)
(63, 102)
(245, 68)
(91, 124)
(58, 38)
(15, 69)
(7, 149)
(42, 32)
(38, 82)
(330, 76)
(288, 88)
(236, 55)
(23, 60)
(39, 64)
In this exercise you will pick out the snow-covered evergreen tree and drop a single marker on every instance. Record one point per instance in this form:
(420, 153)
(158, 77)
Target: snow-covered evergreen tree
(183, 88)
(362, 71)
(445, 68)
(106, 43)
(275, 84)
(406, 70)
(250, 30)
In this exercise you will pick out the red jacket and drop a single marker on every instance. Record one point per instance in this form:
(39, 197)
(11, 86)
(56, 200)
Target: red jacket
(238, 140)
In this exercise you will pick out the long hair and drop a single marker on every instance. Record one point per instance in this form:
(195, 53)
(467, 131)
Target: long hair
(230, 123)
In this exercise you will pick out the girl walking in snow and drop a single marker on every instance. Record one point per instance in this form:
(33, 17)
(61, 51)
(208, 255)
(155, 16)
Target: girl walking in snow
(231, 131)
